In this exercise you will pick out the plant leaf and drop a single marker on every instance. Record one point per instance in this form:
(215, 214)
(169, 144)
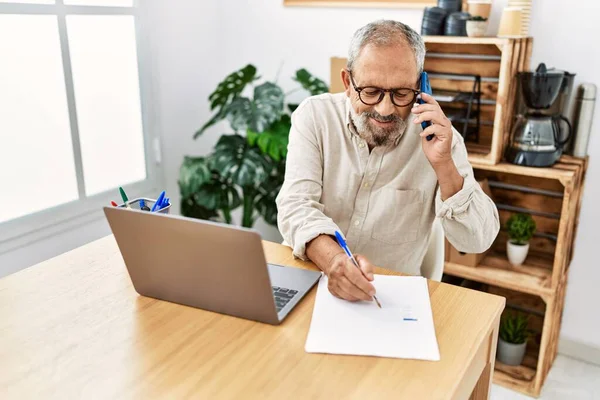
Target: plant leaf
(267, 208)
(239, 113)
(311, 83)
(227, 90)
(513, 328)
(239, 163)
(521, 227)
(273, 141)
(218, 195)
(252, 137)
(263, 143)
(257, 114)
(268, 191)
(232, 86)
(215, 118)
(194, 173)
(191, 209)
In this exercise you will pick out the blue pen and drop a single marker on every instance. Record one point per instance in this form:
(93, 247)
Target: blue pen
(143, 205)
(344, 246)
(158, 203)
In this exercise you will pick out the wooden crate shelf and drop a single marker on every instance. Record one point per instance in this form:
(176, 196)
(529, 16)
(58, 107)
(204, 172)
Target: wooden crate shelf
(516, 378)
(538, 287)
(519, 373)
(523, 378)
(554, 207)
(495, 270)
(496, 61)
(546, 316)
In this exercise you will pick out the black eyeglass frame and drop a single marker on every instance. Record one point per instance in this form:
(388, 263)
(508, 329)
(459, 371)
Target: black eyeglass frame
(382, 93)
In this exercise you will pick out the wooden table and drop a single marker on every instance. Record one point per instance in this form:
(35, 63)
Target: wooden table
(73, 327)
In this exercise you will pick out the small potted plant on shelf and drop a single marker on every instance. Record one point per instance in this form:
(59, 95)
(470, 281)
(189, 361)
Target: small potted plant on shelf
(512, 341)
(520, 229)
(476, 26)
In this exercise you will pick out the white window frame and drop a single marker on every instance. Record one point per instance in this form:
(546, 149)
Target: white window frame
(27, 229)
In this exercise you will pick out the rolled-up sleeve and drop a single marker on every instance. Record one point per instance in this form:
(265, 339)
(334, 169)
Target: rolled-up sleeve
(469, 217)
(300, 216)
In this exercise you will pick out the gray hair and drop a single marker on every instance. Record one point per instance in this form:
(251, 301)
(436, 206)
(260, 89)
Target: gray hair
(385, 33)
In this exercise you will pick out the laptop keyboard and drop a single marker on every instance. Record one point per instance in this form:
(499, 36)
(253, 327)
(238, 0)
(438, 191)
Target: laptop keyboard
(282, 296)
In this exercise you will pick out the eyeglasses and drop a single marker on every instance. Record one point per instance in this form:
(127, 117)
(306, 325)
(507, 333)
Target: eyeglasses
(371, 95)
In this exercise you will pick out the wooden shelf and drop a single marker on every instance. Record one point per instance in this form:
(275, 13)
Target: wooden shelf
(519, 372)
(555, 172)
(519, 378)
(534, 277)
(477, 152)
(450, 59)
(539, 286)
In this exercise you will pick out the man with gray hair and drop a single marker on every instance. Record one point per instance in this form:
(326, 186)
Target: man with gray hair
(359, 163)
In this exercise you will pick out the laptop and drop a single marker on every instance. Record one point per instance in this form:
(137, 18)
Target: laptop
(207, 265)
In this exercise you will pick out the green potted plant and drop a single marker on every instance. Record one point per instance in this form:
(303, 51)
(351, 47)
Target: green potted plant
(246, 168)
(477, 26)
(520, 229)
(512, 340)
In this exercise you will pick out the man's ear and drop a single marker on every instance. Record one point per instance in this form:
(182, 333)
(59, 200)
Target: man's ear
(346, 81)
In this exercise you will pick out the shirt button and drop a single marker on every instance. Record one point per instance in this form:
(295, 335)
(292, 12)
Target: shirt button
(361, 145)
(356, 223)
(366, 184)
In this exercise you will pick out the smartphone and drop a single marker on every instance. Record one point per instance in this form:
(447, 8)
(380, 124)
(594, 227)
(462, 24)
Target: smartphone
(425, 88)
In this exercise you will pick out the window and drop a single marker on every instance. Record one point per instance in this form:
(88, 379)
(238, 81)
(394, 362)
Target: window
(71, 111)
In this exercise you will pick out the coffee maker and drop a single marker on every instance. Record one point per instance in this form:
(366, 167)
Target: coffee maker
(540, 129)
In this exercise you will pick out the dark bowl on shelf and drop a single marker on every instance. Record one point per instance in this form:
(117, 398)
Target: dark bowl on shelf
(450, 5)
(434, 14)
(458, 16)
(433, 21)
(456, 24)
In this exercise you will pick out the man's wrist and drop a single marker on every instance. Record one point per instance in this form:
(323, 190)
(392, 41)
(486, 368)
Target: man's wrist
(449, 179)
(331, 260)
(322, 250)
(445, 170)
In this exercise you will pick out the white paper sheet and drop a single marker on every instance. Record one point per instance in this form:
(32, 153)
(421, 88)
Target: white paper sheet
(402, 328)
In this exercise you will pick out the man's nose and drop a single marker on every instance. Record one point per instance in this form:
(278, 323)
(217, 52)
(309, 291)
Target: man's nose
(386, 107)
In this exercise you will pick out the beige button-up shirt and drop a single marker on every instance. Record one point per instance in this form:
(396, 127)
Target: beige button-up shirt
(383, 201)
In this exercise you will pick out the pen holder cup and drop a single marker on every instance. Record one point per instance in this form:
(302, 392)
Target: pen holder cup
(135, 204)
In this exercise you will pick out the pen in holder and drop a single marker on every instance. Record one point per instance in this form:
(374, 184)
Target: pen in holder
(136, 204)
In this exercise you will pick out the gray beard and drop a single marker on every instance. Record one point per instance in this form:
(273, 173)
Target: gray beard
(375, 135)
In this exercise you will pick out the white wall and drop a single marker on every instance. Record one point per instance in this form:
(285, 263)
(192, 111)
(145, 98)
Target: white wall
(563, 33)
(186, 63)
(296, 37)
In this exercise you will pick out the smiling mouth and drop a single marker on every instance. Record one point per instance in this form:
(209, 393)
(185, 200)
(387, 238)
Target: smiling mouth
(382, 123)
